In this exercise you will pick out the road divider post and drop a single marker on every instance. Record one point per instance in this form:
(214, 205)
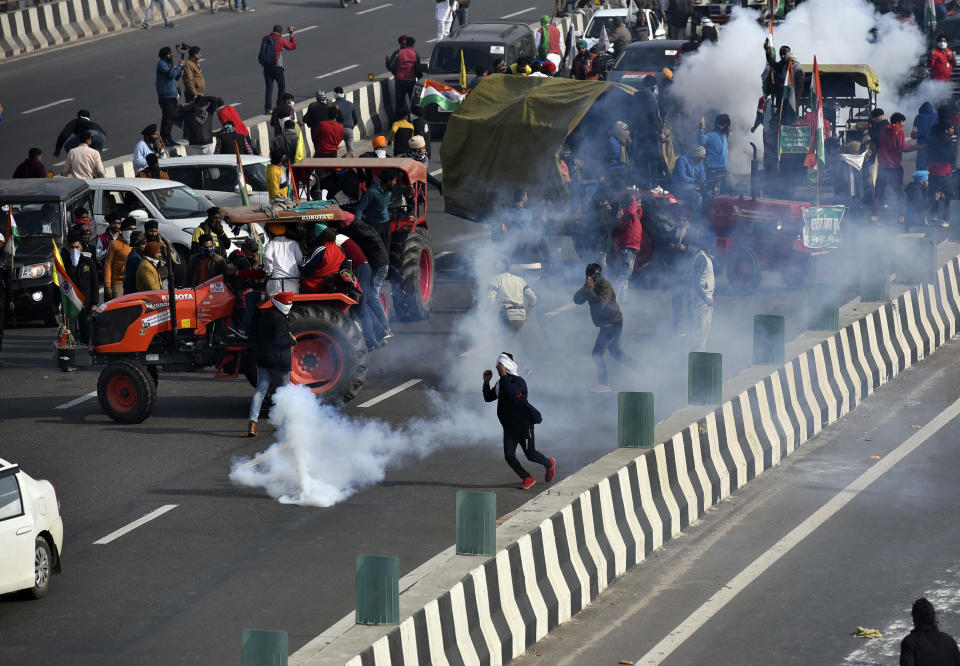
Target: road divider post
(704, 378)
(261, 647)
(954, 232)
(823, 308)
(915, 258)
(874, 280)
(768, 339)
(634, 419)
(378, 589)
(476, 523)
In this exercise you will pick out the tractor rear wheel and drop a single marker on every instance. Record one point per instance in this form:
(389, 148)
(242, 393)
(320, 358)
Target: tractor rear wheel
(330, 357)
(411, 258)
(743, 270)
(126, 392)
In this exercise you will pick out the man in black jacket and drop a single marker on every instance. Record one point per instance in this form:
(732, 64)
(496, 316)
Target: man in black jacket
(271, 351)
(371, 243)
(198, 118)
(517, 416)
(926, 644)
(69, 137)
(82, 269)
(606, 316)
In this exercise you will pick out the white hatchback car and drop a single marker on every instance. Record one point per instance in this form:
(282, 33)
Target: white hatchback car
(217, 177)
(31, 532)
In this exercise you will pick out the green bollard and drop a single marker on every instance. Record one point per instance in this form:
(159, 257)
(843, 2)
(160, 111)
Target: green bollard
(823, 308)
(955, 220)
(476, 523)
(916, 259)
(768, 339)
(704, 378)
(634, 419)
(378, 589)
(874, 281)
(264, 648)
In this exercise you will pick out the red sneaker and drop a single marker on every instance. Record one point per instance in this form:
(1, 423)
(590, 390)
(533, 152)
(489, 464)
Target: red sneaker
(551, 471)
(527, 483)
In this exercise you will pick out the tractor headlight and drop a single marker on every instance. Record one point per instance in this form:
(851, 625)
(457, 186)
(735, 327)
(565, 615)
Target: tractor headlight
(36, 271)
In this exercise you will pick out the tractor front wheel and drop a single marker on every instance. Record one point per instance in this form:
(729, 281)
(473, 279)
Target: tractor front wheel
(330, 357)
(411, 257)
(127, 392)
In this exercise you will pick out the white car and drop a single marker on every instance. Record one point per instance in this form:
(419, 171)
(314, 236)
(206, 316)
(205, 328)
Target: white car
(31, 532)
(217, 177)
(604, 19)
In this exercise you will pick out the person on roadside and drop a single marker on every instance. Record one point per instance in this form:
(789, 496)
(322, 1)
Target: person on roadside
(104, 240)
(702, 286)
(193, 82)
(138, 244)
(620, 37)
(281, 113)
(690, 178)
(678, 16)
(518, 418)
(198, 124)
(84, 162)
(206, 263)
(228, 114)
(716, 142)
(584, 63)
(350, 116)
(277, 181)
(230, 141)
(82, 269)
(148, 272)
(463, 12)
(154, 4)
(405, 67)
(281, 261)
(72, 134)
(606, 316)
(926, 645)
(114, 267)
(548, 40)
(270, 57)
(32, 167)
(166, 85)
(149, 143)
(941, 60)
(328, 134)
(917, 200)
(892, 145)
(627, 241)
(271, 351)
(213, 227)
(444, 15)
(923, 122)
(153, 170)
(940, 156)
(287, 142)
(400, 133)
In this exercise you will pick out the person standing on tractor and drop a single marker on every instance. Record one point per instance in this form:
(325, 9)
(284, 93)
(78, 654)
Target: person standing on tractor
(717, 145)
(371, 244)
(941, 60)
(148, 274)
(114, 266)
(205, 264)
(892, 145)
(375, 202)
(281, 261)
(271, 351)
(518, 418)
(606, 316)
(82, 269)
(138, 244)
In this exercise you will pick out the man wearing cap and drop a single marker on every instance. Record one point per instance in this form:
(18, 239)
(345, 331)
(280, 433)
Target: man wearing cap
(404, 64)
(114, 267)
(689, 178)
(281, 261)
(518, 417)
(83, 161)
(82, 269)
(150, 143)
(716, 143)
(148, 273)
(918, 199)
(138, 244)
(348, 116)
(708, 30)
(213, 227)
(271, 351)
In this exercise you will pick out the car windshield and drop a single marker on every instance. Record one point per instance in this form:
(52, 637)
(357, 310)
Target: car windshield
(600, 22)
(36, 219)
(256, 175)
(651, 59)
(446, 57)
(177, 203)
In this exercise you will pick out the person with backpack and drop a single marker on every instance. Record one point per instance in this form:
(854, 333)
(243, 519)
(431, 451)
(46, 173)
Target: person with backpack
(405, 66)
(272, 47)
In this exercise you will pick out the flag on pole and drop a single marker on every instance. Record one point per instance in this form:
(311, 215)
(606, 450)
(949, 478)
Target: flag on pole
(788, 105)
(70, 298)
(930, 16)
(244, 198)
(463, 73)
(816, 155)
(11, 236)
(445, 97)
(293, 183)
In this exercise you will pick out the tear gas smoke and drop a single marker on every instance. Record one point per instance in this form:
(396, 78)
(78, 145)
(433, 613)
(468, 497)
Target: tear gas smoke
(836, 32)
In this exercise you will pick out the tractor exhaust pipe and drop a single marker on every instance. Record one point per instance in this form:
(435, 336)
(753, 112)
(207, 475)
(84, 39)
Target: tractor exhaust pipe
(754, 173)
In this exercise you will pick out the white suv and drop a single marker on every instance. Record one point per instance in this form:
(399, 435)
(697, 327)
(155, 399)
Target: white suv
(217, 177)
(31, 532)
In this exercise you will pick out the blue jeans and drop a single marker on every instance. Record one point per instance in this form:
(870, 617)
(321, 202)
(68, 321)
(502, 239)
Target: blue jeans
(462, 13)
(364, 312)
(98, 141)
(628, 257)
(265, 377)
(236, 4)
(380, 324)
(273, 73)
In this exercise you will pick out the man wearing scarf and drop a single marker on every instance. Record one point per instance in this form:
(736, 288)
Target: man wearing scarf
(518, 417)
(271, 351)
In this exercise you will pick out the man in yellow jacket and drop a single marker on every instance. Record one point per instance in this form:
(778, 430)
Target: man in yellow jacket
(114, 266)
(277, 185)
(148, 279)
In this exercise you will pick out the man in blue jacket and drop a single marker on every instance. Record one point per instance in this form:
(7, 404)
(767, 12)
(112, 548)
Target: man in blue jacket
(689, 178)
(716, 143)
(167, 75)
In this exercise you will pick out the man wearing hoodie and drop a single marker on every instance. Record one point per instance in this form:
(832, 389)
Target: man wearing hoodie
(892, 144)
(924, 121)
(926, 644)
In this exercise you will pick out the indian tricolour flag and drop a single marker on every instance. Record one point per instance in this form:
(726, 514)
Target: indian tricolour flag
(788, 106)
(816, 154)
(446, 97)
(11, 236)
(71, 299)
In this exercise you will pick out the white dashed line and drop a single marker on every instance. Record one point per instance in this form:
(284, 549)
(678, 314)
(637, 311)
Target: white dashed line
(47, 106)
(156, 513)
(236, 103)
(442, 254)
(82, 398)
(431, 41)
(436, 171)
(522, 11)
(373, 9)
(389, 394)
(337, 71)
(309, 27)
(562, 308)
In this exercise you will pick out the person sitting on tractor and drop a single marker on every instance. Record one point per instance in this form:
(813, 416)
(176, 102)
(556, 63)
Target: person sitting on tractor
(148, 278)
(281, 261)
(247, 256)
(690, 178)
(271, 351)
(325, 261)
(205, 264)
(717, 145)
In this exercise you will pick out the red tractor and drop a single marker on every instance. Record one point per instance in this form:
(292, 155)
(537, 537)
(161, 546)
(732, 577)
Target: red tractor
(138, 335)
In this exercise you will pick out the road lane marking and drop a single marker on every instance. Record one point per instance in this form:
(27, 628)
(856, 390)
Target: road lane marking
(389, 394)
(436, 171)
(431, 41)
(755, 569)
(336, 71)
(522, 11)
(562, 308)
(156, 513)
(77, 401)
(236, 103)
(47, 106)
(309, 27)
(373, 9)
(442, 254)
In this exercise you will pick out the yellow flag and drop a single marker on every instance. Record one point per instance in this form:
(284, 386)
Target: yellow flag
(463, 73)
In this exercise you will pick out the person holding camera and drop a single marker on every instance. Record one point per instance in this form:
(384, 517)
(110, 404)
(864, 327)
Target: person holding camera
(167, 75)
(162, 4)
(270, 57)
(193, 83)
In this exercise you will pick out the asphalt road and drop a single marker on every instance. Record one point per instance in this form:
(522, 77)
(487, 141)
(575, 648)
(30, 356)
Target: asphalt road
(892, 543)
(113, 77)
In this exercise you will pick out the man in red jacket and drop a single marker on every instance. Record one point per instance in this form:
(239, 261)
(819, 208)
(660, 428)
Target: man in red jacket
(892, 144)
(627, 239)
(272, 47)
(327, 135)
(404, 64)
(941, 60)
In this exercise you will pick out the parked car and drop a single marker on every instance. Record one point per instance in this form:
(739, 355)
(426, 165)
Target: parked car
(604, 19)
(481, 44)
(218, 179)
(43, 209)
(31, 532)
(641, 59)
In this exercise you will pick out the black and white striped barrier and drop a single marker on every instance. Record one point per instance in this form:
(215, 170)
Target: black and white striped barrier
(547, 575)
